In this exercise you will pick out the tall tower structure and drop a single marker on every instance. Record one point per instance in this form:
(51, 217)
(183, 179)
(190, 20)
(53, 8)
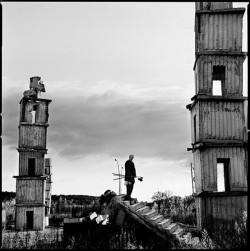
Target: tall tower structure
(33, 184)
(218, 125)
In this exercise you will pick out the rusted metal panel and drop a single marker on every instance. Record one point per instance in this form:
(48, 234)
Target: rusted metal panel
(205, 167)
(195, 112)
(48, 186)
(48, 162)
(30, 191)
(221, 208)
(41, 108)
(220, 120)
(31, 136)
(212, 5)
(233, 73)
(24, 160)
(21, 219)
(197, 171)
(220, 31)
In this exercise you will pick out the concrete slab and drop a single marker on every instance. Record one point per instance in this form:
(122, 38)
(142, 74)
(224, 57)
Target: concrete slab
(164, 223)
(171, 228)
(143, 210)
(179, 232)
(150, 213)
(137, 206)
(156, 219)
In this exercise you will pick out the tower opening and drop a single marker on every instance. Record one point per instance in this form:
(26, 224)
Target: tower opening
(33, 114)
(223, 178)
(31, 167)
(30, 220)
(218, 80)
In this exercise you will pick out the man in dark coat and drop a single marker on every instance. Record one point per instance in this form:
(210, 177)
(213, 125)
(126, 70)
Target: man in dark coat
(130, 175)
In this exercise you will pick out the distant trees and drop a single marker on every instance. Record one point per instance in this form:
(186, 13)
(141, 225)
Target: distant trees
(8, 206)
(6, 196)
(71, 206)
(177, 208)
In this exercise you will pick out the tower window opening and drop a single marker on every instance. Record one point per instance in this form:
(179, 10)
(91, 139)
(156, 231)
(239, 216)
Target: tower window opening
(223, 179)
(31, 167)
(29, 220)
(218, 80)
(217, 88)
(33, 113)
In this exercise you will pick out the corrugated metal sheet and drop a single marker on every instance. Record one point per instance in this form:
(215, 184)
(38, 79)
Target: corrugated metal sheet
(23, 162)
(21, 219)
(32, 136)
(48, 186)
(205, 166)
(218, 120)
(30, 191)
(41, 111)
(220, 31)
(233, 73)
(218, 209)
(221, 120)
(213, 5)
(48, 162)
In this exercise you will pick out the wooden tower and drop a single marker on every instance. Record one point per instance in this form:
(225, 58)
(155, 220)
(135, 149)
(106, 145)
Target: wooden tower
(218, 124)
(34, 179)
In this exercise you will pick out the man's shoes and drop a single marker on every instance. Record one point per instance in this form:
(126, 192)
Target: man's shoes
(127, 198)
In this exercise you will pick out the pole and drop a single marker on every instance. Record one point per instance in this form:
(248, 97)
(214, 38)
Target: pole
(119, 174)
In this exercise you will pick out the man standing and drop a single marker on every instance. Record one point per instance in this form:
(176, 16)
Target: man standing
(130, 175)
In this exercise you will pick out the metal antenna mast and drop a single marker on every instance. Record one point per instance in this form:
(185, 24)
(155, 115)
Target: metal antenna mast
(119, 175)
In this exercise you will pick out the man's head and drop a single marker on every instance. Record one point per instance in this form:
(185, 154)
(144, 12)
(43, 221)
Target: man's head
(131, 157)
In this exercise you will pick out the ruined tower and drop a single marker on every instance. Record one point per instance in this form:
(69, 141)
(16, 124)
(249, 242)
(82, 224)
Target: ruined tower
(218, 131)
(33, 184)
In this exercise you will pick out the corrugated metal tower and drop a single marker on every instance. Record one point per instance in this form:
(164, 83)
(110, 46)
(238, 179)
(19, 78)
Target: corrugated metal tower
(33, 184)
(218, 124)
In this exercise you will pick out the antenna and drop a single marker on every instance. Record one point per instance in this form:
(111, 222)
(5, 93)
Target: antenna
(119, 174)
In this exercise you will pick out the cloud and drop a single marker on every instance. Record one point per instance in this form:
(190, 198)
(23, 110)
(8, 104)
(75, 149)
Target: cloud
(96, 124)
(110, 122)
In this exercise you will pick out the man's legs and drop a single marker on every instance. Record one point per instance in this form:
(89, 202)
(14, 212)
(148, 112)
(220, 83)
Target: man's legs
(129, 190)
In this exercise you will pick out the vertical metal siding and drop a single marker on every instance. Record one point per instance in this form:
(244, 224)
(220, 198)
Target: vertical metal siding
(23, 162)
(48, 162)
(233, 73)
(221, 120)
(220, 31)
(38, 217)
(207, 168)
(31, 136)
(195, 111)
(223, 208)
(198, 172)
(41, 111)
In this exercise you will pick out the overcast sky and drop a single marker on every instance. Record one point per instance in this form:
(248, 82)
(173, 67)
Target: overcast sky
(119, 75)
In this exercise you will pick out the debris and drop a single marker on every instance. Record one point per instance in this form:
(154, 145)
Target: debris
(93, 215)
